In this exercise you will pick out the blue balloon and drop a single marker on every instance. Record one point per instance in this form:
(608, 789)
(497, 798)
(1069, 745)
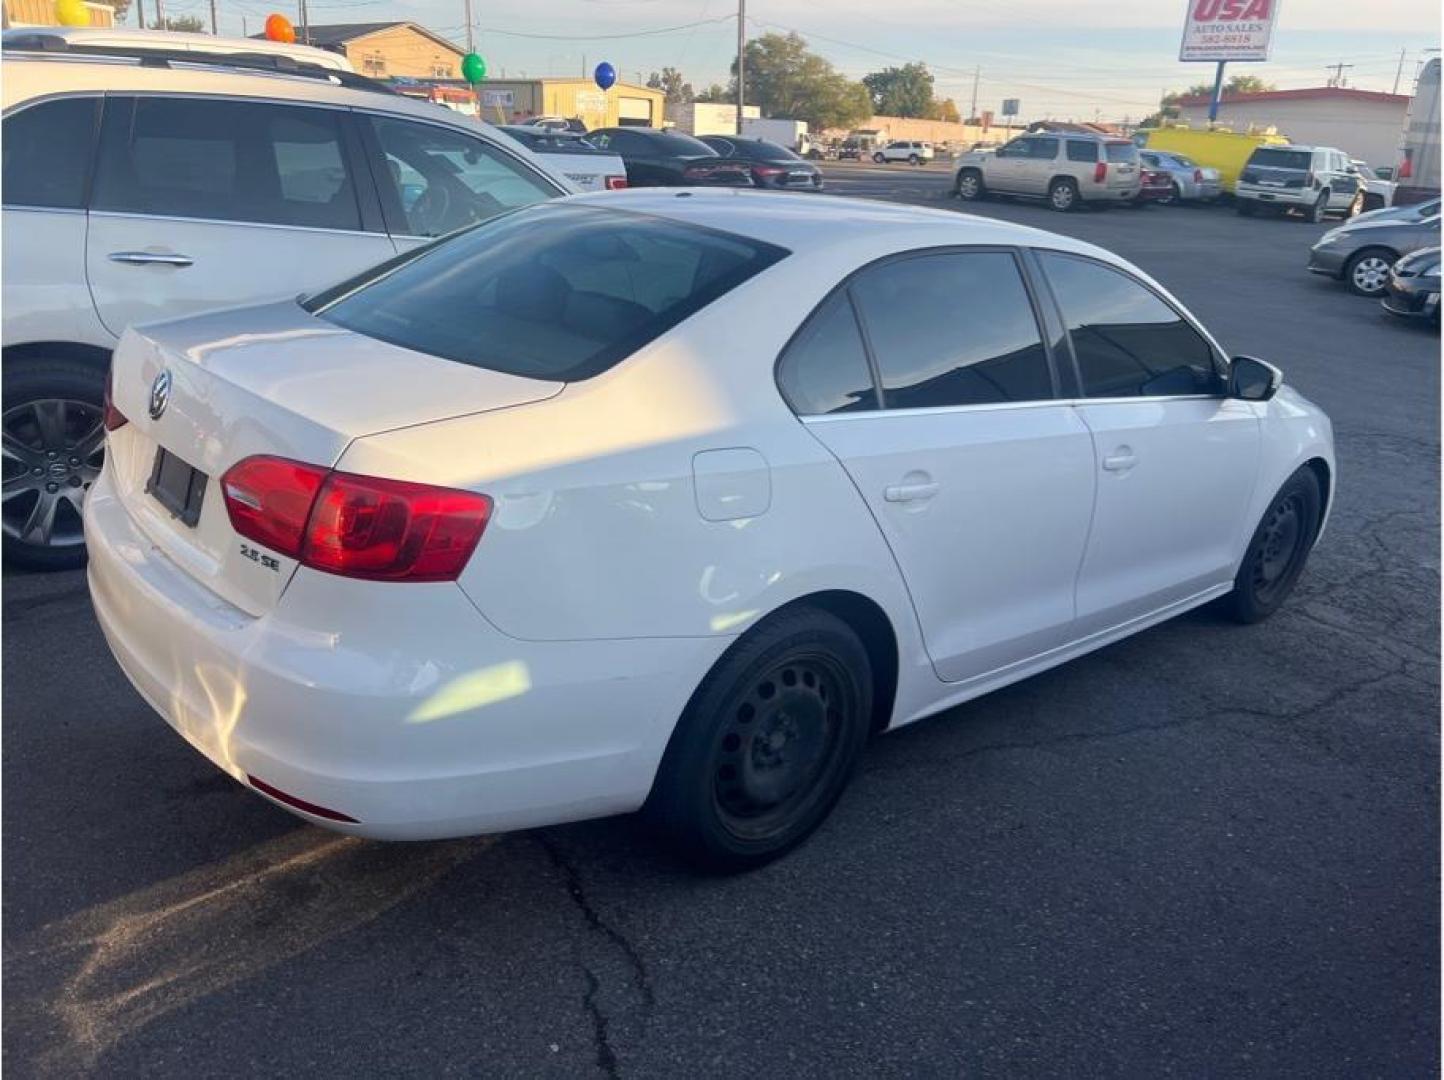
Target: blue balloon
(605, 75)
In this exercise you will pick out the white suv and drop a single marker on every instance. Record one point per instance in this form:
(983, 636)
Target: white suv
(1318, 180)
(914, 153)
(140, 191)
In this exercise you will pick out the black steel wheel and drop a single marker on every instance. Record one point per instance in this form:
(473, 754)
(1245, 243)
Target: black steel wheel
(53, 448)
(1279, 549)
(767, 743)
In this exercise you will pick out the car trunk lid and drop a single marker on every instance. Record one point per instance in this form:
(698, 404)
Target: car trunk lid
(201, 394)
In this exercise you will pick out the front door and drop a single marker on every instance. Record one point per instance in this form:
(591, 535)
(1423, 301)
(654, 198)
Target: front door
(980, 480)
(1173, 459)
(202, 203)
(1002, 169)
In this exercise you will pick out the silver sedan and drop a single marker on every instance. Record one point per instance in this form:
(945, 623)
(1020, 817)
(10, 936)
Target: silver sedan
(1191, 182)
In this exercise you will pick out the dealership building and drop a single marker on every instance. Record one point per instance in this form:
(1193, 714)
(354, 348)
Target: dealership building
(1365, 124)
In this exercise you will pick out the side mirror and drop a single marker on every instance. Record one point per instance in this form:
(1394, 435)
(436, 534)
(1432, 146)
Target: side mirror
(1250, 379)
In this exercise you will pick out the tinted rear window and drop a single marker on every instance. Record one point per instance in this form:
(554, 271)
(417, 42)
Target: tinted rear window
(1121, 151)
(548, 292)
(1281, 159)
(671, 142)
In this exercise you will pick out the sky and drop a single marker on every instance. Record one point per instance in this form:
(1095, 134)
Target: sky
(1063, 59)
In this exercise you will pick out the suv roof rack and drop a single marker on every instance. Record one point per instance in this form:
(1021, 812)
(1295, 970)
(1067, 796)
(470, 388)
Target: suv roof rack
(272, 63)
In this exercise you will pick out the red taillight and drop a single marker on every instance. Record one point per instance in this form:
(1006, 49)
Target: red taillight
(1406, 167)
(615, 183)
(111, 417)
(1198, 176)
(270, 498)
(391, 529)
(769, 170)
(355, 526)
(1100, 172)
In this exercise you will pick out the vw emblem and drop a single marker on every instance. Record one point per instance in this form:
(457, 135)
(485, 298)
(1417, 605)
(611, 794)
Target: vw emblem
(159, 394)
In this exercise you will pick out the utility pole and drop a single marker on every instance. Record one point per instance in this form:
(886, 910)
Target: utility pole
(469, 44)
(245, 26)
(1338, 77)
(741, 58)
(160, 14)
(973, 108)
(214, 31)
(140, 14)
(305, 24)
(1400, 71)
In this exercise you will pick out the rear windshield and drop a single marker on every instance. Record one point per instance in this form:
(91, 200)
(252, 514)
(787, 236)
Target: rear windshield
(1121, 151)
(674, 142)
(1280, 159)
(546, 141)
(770, 151)
(548, 292)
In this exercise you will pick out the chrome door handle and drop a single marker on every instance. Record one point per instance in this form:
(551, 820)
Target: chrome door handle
(147, 258)
(1120, 460)
(909, 492)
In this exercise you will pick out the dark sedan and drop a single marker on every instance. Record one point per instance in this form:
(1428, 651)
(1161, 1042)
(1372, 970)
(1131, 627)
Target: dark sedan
(1360, 253)
(669, 159)
(1413, 290)
(772, 166)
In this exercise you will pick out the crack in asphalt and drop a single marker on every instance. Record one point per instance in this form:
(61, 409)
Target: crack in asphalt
(606, 1056)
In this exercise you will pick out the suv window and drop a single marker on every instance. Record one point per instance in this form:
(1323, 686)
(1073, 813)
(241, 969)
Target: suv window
(1128, 342)
(1121, 152)
(442, 180)
(1280, 159)
(824, 369)
(1043, 149)
(953, 328)
(1082, 150)
(551, 291)
(226, 160)
(47, 153)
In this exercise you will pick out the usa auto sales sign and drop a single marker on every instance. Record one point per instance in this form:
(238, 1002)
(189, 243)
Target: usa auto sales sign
(1228, 29)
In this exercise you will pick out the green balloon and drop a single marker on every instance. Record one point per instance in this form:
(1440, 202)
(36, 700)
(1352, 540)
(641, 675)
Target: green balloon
(473, 68)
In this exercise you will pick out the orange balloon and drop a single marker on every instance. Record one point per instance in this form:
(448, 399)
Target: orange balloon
(279, 28)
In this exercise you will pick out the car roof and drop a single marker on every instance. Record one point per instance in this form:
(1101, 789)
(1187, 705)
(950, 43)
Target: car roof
(42, 38)
(804, 222)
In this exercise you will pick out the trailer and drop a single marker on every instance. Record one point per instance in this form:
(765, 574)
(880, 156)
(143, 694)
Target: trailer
(789, 133)
(1418, 169)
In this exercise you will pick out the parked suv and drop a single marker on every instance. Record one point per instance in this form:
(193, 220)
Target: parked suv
(1065, 168)
(1317, 180)
(914, 153)
(141, 191)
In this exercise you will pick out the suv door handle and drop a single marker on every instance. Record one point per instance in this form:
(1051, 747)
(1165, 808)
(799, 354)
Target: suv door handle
(910, 492)
(1121, 460)
(147, 258)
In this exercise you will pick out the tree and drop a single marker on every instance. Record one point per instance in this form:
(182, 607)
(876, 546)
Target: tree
(901, 91)
(716, 94)
(947, 109)
(669, 81)
(785, 79)
(190, 24)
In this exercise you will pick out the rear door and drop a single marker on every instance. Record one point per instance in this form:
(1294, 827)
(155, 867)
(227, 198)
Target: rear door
(202, 202)
(1175, 461)
(980, 479)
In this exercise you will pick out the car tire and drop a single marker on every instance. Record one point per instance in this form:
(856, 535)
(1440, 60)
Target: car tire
(1245, 208)
(1175, 196)
(1373, 202)
(1367, 272)
(1278, 550)
(766, 745)
(1063, 194)
(1315, 214)
(913, 159)
(969, 185)
(54, 445)
(1356, 206)
(879, 159)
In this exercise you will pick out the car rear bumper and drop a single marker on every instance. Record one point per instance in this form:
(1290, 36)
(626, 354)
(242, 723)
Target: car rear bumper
(1278, 196)
(411, 716)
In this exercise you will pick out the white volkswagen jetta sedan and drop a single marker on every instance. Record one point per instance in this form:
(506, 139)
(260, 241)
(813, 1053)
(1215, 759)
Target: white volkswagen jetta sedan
(670, 500)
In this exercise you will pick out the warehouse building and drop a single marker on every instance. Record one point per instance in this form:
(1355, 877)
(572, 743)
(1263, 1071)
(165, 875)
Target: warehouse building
(1365, 124)
(511, 100)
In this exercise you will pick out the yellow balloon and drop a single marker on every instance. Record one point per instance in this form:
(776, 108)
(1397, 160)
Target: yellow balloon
(72, 12)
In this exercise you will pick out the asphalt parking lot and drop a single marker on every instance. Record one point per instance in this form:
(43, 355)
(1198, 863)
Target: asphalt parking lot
(1206, 850)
